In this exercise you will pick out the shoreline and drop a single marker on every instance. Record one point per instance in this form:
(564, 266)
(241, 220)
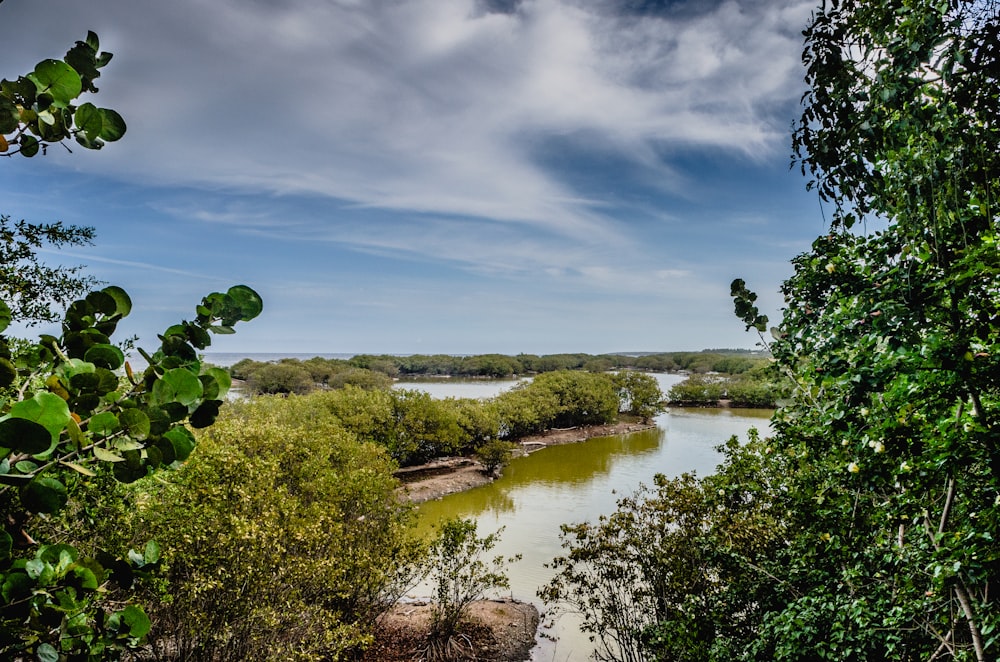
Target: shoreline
(448, 475)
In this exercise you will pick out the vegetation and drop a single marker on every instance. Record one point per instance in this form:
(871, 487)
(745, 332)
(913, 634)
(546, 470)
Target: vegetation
(38, 110)
(283, 538)
(369, 371)
(69, 422)
(866, 527)
(760, 386)
(460, 577)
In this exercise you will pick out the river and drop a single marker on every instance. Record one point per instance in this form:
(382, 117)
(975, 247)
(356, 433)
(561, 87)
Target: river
(575, 483)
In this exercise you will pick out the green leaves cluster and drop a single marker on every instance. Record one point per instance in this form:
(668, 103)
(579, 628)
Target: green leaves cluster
(66, 412)
(283, 538)
(38, 110)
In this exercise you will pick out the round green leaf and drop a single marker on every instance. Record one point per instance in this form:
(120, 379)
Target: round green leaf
(105, 356)
(29, 145)
(135, 422)
(103, 424)
(248, 301)
(182, 441)
(58, 79)
(123, 304)
(113, 126)
(88, 119)
(5, 315)
(9, 116)
(43, 495)
(205, 414)
(46, 409)
(136, 620)
(102, 302)
(177, 385)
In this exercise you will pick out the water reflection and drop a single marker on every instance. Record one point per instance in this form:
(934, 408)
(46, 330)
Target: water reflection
(579, 482)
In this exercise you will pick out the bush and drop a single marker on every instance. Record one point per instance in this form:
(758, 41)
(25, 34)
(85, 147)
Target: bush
(284, 537)
(460, 577)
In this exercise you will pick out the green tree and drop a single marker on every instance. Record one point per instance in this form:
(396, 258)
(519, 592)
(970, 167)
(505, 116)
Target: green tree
(283, 535)
(34, 291)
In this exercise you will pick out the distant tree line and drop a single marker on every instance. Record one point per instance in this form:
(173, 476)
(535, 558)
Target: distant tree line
(371, 371)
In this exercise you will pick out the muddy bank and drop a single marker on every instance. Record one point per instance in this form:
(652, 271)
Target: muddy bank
(455, 474)
(500, 630)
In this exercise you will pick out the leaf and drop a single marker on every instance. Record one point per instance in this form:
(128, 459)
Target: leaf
(113, 127)
(104, 424)
(136, 620)
(79, 468)
(44, 495)
(46, 409)
(152, 552)
(123, 304)
(177, 385)
(135, 423)
(5, 315)
(182, 441)
(88, 119)
(8, 372)
(29, 146)
(24, 435)
(58, 79)
(105, 356)
(104, 455)
(47, 653)
(249, 302)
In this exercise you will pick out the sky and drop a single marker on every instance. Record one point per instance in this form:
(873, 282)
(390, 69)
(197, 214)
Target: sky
(432, 176)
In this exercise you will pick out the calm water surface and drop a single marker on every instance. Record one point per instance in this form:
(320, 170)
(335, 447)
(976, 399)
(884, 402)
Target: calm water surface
(579, 482)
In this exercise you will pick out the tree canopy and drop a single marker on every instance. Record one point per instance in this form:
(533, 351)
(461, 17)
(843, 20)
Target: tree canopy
(866, 527)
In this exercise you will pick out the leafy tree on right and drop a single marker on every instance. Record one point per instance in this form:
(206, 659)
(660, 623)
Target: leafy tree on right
(869, 528)
(892, 336)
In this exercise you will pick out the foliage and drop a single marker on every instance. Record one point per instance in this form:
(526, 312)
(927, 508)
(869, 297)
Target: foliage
(460, 575)
(32, 289)
(868, 528)
(638, 394)
(67, 415)
(284, 536)
(758, 387)
(495, 454)
(38, 110)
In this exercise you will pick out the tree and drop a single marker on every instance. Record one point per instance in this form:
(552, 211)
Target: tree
(891, 337)
(65, 410)
(70, 415)
(32, 289)
(881, 484)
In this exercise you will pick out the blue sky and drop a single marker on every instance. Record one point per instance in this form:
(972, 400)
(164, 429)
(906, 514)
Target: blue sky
(420, 176)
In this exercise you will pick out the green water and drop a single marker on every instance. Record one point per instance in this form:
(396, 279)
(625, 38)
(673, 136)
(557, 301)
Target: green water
(578, 482)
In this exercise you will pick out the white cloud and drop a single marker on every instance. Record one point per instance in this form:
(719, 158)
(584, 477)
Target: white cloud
(433, 105)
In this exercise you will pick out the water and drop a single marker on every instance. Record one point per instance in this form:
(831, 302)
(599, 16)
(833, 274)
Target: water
(579, 482)
(461, 388)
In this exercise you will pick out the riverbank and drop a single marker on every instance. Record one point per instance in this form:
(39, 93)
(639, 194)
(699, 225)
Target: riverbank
(500, 630)
(448, 475)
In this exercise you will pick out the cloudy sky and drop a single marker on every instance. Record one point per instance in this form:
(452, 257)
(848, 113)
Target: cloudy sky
(418, 176)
